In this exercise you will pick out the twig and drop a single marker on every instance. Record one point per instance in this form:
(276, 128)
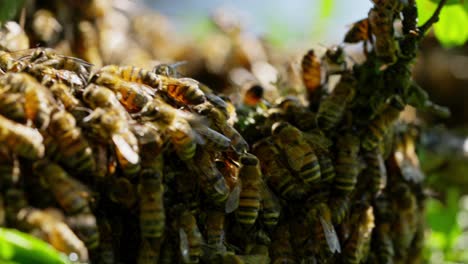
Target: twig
(434, 18)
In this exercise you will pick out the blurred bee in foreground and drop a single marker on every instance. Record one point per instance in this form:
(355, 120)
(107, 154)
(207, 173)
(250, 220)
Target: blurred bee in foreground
(52, 227)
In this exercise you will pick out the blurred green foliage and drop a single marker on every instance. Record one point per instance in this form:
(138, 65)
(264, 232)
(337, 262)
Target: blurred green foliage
(9, 9)
(451, 29)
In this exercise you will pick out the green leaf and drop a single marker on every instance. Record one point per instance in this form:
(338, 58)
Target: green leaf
(425, 10)
(450, 2)
(451, 29)
(9, 9)
(18, 247)
(326, 8)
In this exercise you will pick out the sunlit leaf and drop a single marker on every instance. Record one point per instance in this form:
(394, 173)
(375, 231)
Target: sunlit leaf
(452, 30)
(449, 2)
(326, 9)
(425, 10)
(19, 247)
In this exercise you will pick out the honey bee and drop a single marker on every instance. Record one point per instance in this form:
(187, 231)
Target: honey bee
(334, 60)
(250, 176)
(379, 126)
(383, 242)
(381, 22)
(253, 95)
(123, 192)
(45, 26)
(13, 37)
(152, 216)
(49, 76)
(320, 216)
(168, 70)
(321, 145)
(357, 246)
(347, 163)
(375, 171)
(72, 148)
(359, 31)
(332, 108)
(175, 123)
(406, 158)
(37, 99)
(190, 238)
(312, 76)
(108, 125)
(213, 140)
(24, 141)
(296, 113)
(218, 116)
(9, 62)
(133, 96)
(48, 58)
(339, 208)
(57, 232)
(65, 95)
(182, 90)
(300, 156)
(214, 226)
(210, 178)
(85, 227)
(12, 106)
(71, 194)
(102, 97)
(276, 174)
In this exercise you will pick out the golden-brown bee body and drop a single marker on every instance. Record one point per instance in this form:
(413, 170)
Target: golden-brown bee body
(109, 126)
(357, 246)
(375, 171)
(87, 45)
(58, 233)
(250, 196)
(152, 216)
(71, 194)
(45, 26)
(190, 238)
(332, 109)
(359, 31)
(380, 125)
(210, 178)
(132, 96)
(85, 227)
(270, 207)
(214, 226)
(73, 148)
(347, 163)
(311, 72)
(320, 218)
(12, 107)
(276, 174)
(381, 22)
(24, 141)
(300, 155)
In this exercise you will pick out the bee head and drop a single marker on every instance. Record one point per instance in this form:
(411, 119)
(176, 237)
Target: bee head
(248, 159)
(278, 127)
(336, 54)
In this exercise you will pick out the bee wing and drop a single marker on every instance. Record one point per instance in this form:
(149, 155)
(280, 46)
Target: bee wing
(232, 202)
(221, 141)
(125, 149)
(330, 235)
(184, 245)
(294, 159)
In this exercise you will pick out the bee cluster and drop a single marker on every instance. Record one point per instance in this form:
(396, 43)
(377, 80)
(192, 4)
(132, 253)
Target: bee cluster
(120, 164)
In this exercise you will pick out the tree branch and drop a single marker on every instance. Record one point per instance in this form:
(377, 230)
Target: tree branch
(434, 18)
